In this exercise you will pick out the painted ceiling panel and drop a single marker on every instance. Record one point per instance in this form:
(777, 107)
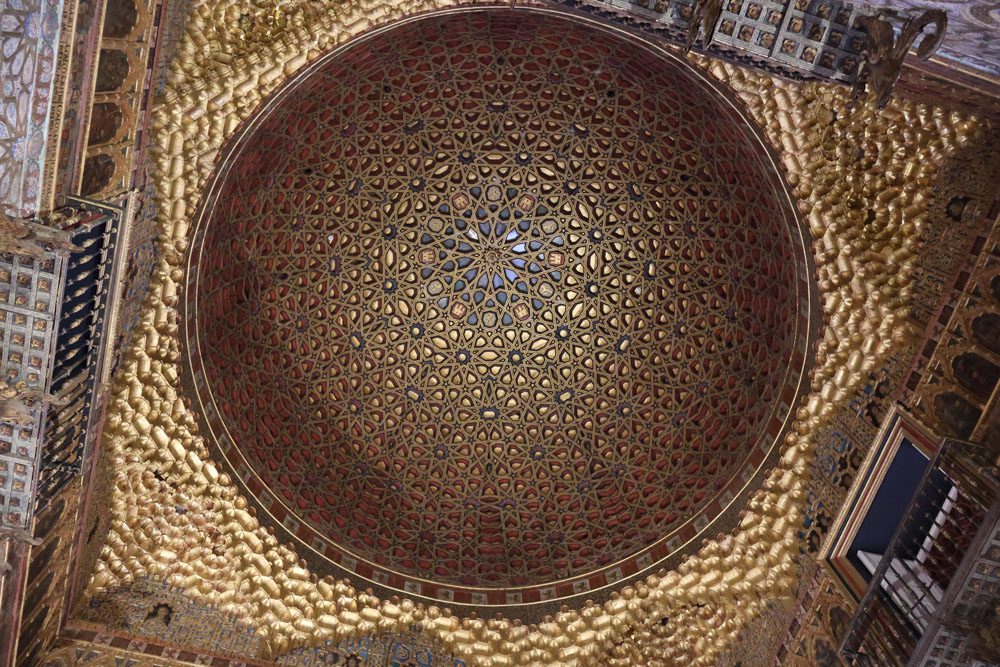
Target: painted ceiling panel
(973, 37)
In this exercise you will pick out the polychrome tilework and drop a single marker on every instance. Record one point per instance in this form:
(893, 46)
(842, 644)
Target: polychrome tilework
(29, 37)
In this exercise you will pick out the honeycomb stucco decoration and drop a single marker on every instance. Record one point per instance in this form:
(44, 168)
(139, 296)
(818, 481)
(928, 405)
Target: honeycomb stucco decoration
(863, 271)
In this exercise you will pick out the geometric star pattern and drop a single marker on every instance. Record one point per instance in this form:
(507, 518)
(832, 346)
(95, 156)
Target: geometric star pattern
(498, 301)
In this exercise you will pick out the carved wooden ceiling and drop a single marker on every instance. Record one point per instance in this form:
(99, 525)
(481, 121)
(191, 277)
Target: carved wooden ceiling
(495, 304)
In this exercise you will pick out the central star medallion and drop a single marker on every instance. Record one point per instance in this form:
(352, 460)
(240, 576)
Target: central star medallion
(491, 255)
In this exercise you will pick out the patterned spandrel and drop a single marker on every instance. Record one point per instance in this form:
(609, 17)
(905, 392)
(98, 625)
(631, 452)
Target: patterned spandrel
(29, 299)
(497, 301)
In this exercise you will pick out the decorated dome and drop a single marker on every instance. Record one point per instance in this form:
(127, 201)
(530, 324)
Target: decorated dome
(496, 307)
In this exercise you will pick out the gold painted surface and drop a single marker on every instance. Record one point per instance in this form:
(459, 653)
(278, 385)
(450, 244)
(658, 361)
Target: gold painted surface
(862, 181)
(74, 653)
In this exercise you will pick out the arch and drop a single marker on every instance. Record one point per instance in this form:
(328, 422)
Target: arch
(30, 631)
(956, 414)
(105, 120)
(48, 521)
(38, 592)
(41, 561)
(986, 331)
(975, 373)
(98, 171)
(112, 70)
(120, 18)
(31, 657)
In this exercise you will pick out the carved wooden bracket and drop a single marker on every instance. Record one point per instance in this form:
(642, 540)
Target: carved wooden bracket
(31, 239)
(20, 540)
(17, 403)
(884, 53)
(704, 19)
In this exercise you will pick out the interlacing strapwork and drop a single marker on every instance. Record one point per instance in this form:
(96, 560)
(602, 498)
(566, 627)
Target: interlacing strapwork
(499, 305)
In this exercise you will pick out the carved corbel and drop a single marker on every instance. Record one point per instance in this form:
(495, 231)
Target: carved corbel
(704, 19)
(882, 58)
(31, 239)
(20, 540)
(13, 410)
(17, 403)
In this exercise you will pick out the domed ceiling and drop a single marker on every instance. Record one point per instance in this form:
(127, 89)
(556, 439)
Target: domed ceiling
(496, 307)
